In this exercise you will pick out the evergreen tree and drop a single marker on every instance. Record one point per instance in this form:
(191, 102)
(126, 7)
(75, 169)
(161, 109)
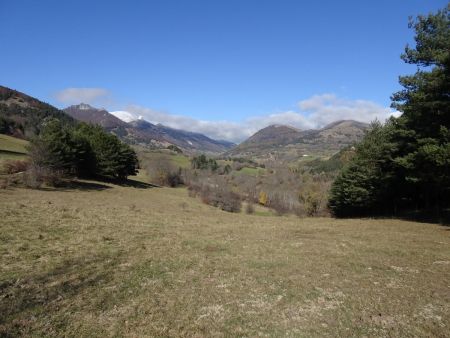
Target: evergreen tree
(82, 150)
(360, 188)
(423, 137)
(406, 163)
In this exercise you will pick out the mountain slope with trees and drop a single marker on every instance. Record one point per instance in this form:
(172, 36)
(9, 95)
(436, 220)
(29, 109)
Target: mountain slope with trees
(288, 143)
(23, 116)
(59, 144)
(145, 133)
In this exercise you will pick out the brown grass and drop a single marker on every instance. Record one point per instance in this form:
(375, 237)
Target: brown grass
(102, 260)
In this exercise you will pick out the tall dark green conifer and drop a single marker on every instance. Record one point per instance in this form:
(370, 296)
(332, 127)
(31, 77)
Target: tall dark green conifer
(406, 163)
(423, 138)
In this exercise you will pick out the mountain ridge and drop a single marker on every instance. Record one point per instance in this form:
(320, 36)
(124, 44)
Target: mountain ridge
(286, 142)
(140, 131)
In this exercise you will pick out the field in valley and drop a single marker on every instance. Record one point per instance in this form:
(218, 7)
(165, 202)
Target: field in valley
(97, 259)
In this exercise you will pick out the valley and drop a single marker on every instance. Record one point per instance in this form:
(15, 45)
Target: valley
(225, 169)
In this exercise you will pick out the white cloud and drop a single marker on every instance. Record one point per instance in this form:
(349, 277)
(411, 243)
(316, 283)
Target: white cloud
(314, 112)
(94, 96)
(324, 109)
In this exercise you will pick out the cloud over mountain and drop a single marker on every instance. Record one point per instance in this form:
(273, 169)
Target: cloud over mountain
(314, 112)
(311, 113)
(93, 96)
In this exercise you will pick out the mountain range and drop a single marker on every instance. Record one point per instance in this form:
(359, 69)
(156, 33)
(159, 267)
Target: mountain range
(288, 143)
(22, 116)
(145, 133)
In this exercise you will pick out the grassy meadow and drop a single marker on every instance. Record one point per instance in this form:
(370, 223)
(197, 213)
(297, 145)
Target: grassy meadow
(12, 148)
(177, 160)
(99, 260)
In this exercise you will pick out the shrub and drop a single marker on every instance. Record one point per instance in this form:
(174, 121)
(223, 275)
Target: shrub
(228, 201)
(217, 196)
(4, 182)
(163, 172)
(280, 206)
(15, 166)
(173, 179)
(250, 208)
(311, 201)
(263, 199)
(36, 176)
(175, 149)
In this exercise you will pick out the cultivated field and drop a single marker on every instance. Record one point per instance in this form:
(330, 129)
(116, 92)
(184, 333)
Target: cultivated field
(97, 259)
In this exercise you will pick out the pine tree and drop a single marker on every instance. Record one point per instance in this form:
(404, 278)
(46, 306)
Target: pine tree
(406, 163)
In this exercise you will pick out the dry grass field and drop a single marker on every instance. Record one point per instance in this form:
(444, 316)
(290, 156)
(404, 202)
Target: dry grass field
(102, 260)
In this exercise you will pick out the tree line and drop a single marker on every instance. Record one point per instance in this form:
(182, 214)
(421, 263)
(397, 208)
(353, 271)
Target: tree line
(405, 163)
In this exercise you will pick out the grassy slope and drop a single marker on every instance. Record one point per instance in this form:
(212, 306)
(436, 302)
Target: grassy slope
(106, 260)
(12, 148)
(250, 171)
(178, 160)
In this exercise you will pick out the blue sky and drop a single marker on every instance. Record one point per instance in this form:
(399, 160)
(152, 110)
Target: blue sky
(223, 68)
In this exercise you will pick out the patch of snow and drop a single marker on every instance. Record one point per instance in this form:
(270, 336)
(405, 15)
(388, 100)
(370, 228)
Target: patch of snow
(84, 106)
(125, 116)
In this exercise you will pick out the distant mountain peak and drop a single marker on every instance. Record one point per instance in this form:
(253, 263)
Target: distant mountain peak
(291, 143)
(345, 123)
(84, 106)
(86, 113)
(282, 126)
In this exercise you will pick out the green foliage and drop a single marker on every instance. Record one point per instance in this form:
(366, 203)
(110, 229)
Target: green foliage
(175, 149)
(25, 115)
(82, 150)
(332, 165)
(227, 169)
(9, 126)
(112, 157)
(202, 162)
(406, 163)
(359, 186)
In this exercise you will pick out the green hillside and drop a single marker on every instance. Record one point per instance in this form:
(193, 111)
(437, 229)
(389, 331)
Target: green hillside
(12, 147)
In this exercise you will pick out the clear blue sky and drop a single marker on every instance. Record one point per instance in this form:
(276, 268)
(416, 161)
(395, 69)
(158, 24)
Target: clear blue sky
(211, 60)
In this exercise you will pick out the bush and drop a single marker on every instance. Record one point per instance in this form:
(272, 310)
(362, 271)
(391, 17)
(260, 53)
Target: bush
(36, 176)
(263, 199)
(162, 172)
(173, 180)
(175, 149)
(250, 208)
(15, 166)
(4, 182)
(228, 201)
(219, 197)
(280, 206)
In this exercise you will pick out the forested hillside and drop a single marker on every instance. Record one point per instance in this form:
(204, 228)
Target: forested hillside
(23, 116)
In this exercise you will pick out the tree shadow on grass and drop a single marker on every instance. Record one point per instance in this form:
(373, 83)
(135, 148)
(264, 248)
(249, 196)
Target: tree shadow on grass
(131, 183)
(419, 217)
(82, 185)
(441, 217)
(432, 216)
(44, 293)
(98, 185)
